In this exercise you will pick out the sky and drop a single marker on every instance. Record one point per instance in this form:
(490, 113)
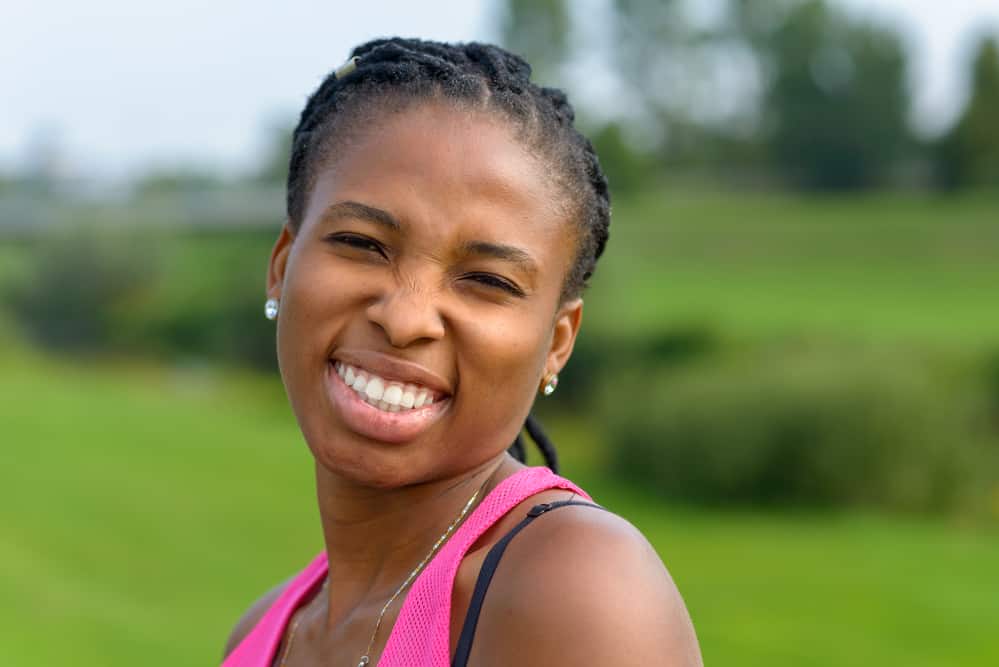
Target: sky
(115, 87)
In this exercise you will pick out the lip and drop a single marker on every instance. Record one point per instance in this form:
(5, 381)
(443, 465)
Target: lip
(394, 369)
(371, 422)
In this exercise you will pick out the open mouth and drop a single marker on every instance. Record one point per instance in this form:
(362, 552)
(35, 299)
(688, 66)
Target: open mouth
(380, 408)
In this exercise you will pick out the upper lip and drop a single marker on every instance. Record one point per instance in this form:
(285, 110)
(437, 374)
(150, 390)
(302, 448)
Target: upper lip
(393, 368)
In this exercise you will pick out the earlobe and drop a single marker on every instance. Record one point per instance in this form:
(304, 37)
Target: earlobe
(279, 260)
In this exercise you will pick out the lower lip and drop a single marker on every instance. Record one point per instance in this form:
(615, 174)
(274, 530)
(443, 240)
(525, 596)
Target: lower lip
(371, 422)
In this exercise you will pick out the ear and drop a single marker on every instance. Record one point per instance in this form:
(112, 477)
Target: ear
(279, 261)
(567, 321)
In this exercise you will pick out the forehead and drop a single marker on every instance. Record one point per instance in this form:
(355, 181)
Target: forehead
(441, 161)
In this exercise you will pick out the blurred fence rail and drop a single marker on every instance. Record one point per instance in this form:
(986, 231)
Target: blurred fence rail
(26, 215)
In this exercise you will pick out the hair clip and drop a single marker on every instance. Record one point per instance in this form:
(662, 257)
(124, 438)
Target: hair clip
(346, 68)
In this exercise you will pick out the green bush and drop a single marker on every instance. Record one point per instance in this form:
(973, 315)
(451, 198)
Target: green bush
(146, 292)
(219, 320)
(592, 362)
(805, 426)
(78, 282)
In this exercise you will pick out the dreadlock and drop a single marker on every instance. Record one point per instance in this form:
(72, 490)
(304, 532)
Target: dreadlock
(391, 73)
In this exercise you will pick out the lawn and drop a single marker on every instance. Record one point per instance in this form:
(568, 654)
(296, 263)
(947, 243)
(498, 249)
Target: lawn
(145, 506)
(886, 268)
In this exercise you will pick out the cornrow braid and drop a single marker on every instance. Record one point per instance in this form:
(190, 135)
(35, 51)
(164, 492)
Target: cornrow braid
(393, 73)
(541, 439)
(517, 450)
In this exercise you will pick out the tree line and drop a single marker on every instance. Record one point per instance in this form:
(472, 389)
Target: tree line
(797, 93)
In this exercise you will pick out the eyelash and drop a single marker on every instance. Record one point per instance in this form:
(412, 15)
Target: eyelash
(490, 280)
(364, 243)
(358, 242)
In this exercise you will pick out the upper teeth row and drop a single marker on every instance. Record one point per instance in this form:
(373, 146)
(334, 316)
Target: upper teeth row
(382, 393)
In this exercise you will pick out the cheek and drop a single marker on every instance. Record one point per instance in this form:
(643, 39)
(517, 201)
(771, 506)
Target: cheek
(502, 357)
(314, 300)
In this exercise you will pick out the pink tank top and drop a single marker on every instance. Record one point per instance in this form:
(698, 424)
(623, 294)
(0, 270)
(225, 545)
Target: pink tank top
(421, 634)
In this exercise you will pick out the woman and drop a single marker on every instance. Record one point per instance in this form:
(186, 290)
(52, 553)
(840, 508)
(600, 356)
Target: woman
(444, 217)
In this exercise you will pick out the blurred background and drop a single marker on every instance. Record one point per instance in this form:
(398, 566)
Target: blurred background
(788, 375)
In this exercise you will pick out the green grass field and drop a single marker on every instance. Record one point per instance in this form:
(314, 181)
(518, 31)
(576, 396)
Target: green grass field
(881, 268)
(145, 506)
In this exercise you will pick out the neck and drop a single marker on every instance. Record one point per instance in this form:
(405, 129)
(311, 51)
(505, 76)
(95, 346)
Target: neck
(376, 537)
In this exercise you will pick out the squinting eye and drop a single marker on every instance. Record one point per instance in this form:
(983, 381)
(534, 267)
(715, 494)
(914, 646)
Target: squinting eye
(355, 241)
(490, 280)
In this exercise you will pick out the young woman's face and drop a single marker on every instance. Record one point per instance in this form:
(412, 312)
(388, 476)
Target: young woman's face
(429, 263)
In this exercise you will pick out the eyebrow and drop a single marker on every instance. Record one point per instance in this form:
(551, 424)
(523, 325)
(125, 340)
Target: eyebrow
(357, 210)
(504, 252)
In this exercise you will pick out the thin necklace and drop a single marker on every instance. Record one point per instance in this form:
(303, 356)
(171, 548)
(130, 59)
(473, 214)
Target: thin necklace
(366, 659)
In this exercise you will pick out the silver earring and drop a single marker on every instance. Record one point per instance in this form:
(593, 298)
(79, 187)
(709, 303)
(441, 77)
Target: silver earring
(271, 309)
(550, 384)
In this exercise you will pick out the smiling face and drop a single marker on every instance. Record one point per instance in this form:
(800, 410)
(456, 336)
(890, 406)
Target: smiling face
(428, 267)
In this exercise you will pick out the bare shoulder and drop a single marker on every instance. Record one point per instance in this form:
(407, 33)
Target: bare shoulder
(582, 586)
(252, 616)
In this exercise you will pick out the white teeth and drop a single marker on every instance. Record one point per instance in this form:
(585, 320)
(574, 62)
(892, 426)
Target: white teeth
(392, 395)
(382, 395)
(408, 398)
(375, 388)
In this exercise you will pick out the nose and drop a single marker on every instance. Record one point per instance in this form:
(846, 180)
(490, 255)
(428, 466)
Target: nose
(406, 314)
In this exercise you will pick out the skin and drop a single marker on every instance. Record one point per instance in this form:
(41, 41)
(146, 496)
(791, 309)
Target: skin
(583, 588)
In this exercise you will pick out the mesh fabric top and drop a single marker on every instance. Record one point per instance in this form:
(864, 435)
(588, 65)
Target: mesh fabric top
(421, 634)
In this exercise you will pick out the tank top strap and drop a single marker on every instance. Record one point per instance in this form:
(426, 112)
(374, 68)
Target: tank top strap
(260, 645)
(421, 634)
(463, 648)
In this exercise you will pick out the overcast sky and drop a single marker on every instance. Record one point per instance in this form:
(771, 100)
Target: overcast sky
(121, 85)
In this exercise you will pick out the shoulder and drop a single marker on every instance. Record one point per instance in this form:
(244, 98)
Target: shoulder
(252, 616)
(580, 585)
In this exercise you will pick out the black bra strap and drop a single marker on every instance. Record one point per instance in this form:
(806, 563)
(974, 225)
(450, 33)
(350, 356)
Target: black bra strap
(464, 647)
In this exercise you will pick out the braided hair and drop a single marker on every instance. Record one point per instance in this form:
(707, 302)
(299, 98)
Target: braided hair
(392, 73)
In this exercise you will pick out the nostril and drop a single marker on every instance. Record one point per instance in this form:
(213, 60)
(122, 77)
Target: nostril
(405, 318)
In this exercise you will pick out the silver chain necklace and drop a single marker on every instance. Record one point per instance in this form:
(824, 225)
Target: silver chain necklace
(366, 659)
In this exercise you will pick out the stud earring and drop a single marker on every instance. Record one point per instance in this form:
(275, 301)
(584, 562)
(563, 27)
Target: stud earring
(550, 384)
(271, 309)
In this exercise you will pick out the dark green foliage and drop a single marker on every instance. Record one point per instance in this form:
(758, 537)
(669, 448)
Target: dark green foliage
(595, 358)
(145, 292)
(77, 284)
(802, 427)
(209, 301)
(217, 323)
(837, 103)
(968, 156)
(794, 91)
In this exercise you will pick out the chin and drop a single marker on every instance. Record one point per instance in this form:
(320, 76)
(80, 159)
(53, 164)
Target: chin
(373, 464)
